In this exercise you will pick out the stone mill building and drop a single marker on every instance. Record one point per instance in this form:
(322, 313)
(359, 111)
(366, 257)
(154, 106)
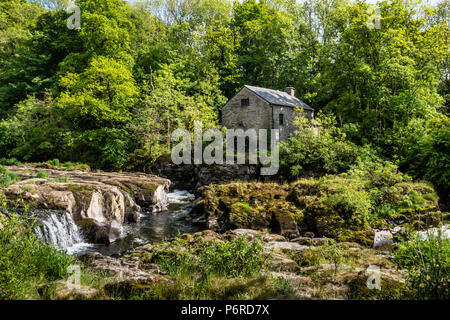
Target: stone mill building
(261, 108)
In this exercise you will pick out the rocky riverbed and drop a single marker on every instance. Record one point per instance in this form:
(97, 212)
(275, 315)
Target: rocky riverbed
(304, 266)
(316, 238)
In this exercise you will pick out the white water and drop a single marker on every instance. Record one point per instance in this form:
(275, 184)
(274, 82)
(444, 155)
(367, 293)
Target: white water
(445, 232)
(179, 196)
(59, 229)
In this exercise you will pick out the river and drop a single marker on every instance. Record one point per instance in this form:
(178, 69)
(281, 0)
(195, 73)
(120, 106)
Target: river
(59, 229)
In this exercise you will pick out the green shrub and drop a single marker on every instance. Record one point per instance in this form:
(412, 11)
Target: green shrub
(7, 178)
(327, 152)
(423, 149)
(42, 175)
(24, 261)
(233, 258)
(228, 258)
(9, 162)
(54, 162)
(61, 180)
(76, 166)
(427, 262)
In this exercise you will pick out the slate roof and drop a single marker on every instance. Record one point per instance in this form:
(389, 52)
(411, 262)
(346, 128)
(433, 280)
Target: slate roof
(279, 98)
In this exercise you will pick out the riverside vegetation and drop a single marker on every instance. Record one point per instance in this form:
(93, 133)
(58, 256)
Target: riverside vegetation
(78, 104)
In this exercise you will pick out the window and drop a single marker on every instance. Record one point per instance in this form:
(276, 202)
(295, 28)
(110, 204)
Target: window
(245, 102)
(281, 119)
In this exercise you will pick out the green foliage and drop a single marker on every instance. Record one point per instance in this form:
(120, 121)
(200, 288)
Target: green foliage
(7, 178)
(42, 175)
(425, 150)
(394, 197)
(319, 146)
(100, 96)
(24, 261)
(132, 73)
(54, 162)
(9, 162)
(230, 258)
(234, 258)
(427, 262)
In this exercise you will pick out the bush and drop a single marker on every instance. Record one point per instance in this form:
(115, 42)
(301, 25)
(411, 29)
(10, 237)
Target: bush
(427, 262)
(229, 258)
(233, 258)
(320, 147)
(54, 162)
(42, 175)
(9, 162)
(24, 261)
(7, 178)
(424, 150)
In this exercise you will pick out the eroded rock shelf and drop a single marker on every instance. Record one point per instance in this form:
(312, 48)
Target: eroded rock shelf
(100, 203)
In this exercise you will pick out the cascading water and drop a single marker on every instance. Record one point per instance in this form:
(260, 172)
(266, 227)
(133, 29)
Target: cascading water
(58, 229)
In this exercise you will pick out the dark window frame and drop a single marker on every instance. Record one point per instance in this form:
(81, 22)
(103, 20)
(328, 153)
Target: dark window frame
(245, 102)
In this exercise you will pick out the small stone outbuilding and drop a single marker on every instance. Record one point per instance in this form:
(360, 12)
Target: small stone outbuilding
(261, 108)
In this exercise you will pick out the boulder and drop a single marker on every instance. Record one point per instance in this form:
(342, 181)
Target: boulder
(257, 206)
(280, 263)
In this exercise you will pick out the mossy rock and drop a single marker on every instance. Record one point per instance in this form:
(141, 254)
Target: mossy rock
(336, 208)
(390, 286)
(257, 206)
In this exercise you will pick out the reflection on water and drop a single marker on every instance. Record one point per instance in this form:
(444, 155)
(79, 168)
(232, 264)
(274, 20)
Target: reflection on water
(153, 227)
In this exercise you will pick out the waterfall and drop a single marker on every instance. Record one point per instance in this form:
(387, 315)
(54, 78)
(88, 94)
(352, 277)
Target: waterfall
(59, 229)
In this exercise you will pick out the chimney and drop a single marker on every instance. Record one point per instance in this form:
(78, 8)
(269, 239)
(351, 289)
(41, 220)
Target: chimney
(290, 91)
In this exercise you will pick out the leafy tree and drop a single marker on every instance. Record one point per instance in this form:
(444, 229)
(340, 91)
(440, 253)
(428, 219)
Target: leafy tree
(101, 96)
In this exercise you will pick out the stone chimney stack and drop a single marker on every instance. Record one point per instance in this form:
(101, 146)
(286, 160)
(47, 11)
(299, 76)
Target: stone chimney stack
(290, 91)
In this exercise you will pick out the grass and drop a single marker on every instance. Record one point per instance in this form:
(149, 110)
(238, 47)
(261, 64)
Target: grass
(207, 270)
(42, 175)
(25, 262)
(7, 178)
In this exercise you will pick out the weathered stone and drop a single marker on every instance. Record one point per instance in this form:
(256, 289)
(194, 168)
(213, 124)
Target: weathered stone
(311, 241)
(257, 206)
(65, 290)
(284, 246)
(98, 202)
(280, 263)
(251, 234)
(382, 238)
(128, 268)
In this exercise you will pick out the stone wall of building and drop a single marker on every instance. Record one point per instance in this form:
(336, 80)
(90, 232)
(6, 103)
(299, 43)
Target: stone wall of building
(258, 115)
(289, 115)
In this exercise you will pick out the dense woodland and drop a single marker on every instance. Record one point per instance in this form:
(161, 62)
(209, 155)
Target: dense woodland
(110, 93)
